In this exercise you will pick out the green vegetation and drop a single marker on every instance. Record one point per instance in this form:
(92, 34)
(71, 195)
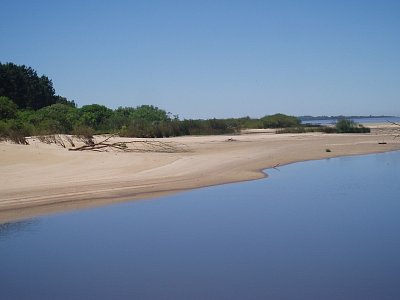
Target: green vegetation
(333, 118)
(342, 126)
(304, 129)
(349, 126)
(280, 121)
(8, 109)
(26, 88)
(29, 106)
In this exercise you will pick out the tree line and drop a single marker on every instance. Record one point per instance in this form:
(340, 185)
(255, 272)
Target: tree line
(30, 106)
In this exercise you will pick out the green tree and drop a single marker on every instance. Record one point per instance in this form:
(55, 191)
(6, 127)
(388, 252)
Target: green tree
(63, 100)
(280, 121)
(150, 113)
(56, 118)
(121, 117)
(8, 109)
(25, 87)
(95, 115)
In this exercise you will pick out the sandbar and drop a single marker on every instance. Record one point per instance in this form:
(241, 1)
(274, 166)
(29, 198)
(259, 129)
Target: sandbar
(45, 178)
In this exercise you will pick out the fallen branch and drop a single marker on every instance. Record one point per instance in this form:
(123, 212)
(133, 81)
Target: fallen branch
(136, 146)
(276, 167)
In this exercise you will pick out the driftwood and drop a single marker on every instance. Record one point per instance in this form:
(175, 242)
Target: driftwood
(276, 167)
(15, 138)
(54, 139)
(128, 146)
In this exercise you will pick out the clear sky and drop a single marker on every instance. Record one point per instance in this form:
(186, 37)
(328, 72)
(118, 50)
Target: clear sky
(204, 59)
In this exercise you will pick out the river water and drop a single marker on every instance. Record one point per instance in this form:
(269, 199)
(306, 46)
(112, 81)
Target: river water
(385, 120)
(326, 229)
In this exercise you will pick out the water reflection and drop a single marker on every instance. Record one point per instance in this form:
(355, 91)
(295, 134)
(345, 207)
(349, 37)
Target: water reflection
(12, 229)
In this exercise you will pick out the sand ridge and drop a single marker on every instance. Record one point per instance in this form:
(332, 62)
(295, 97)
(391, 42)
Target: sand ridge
(41, 178)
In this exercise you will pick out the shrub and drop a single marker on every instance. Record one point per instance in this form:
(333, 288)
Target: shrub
(293, 130)
(305, 129)
(8, 109)
(280, 121)
(349, 126)
(57, 118)
(15, 131)
(83, 131)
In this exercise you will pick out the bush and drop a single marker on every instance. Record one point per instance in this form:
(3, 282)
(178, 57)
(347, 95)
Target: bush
(83, 131)
(293, 130)
(328, 129)
(280, 121)
(306, 128)
(349, 126)
(8, 109)
(56, 118)
(249, 123)
(15, 131)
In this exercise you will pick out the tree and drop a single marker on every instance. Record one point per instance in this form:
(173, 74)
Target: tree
(280, 121)
(121, 117)
(63, 100)
(22, 85)
(94, 115)
(56, 118)
(8, 109)
(150, 113)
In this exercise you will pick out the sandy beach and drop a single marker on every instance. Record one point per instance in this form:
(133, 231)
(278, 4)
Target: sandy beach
(43, 178)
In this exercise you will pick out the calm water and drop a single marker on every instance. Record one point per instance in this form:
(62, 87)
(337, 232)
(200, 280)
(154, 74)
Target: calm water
(316, 230)
(357, 120)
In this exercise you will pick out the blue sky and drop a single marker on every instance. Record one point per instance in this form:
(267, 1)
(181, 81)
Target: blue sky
(204, 59)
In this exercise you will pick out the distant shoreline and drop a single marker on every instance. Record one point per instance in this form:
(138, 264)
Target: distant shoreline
(41, 179)
(342, 116)
(326, 118)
